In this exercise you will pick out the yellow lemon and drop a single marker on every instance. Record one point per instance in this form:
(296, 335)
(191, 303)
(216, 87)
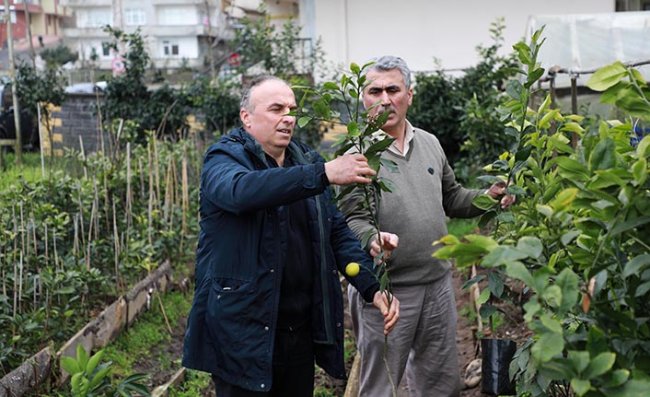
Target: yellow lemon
(352, 269)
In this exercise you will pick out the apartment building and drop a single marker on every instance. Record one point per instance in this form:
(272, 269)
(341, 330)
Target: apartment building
(177, 33)
(45, 16)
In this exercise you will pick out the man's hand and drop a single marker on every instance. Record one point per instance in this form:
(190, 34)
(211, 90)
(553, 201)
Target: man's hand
(390, 312)
(348, 169)
(497, 191)
(389, 242)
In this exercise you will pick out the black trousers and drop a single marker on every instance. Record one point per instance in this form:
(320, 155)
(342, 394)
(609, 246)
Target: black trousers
(293, 368)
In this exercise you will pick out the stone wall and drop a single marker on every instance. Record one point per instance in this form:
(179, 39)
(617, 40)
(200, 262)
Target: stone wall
(76, 118)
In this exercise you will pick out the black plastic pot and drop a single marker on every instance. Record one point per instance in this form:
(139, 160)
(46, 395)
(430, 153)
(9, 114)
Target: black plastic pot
(497, 355)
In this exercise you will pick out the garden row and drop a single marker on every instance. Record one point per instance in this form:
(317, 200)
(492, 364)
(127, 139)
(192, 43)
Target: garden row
(78, 238)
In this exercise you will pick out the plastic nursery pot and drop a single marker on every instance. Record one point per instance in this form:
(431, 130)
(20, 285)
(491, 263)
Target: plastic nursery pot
(497, 354)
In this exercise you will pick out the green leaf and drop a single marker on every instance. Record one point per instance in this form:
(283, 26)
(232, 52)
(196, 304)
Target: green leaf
(102, 372)
(643, 146)
(545, 210)
(354, 68)
(579, 360)
(484, 202)
(600, 364)
(617, 378)
(379, 146)
(514, 89)
(518, 271)
(531, 246)
(547, 347)
(642, 289)
(604, 155)
(630, 224)
(632, 388)
(569, 236)
(568, 281)
(640, 171)
(572, 167)
(70, 365)
(634, 105)
(572, 127)
(502, 255)
(607, 76)
(353, 129)
(303, 121)
(485, 295)
(636, 265)
(553, 295)
(564, 199)
(485, 242)
(94, 361)
(581, 387)
(550, 323)
(330, 86)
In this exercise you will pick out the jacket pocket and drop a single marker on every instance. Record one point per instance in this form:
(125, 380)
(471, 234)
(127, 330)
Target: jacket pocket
(231, 302)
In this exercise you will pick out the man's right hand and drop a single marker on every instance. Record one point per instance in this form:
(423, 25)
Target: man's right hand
(348, 169)
(389, 241)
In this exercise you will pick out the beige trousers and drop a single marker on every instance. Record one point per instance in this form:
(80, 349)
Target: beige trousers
(422, 344)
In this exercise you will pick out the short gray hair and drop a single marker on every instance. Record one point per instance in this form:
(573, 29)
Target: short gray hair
(387, 63)
(245, 102)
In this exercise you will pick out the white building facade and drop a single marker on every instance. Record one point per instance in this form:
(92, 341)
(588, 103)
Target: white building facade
(176, 32)
(428, 34)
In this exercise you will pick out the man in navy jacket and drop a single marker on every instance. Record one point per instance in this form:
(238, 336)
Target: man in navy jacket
(268, 299)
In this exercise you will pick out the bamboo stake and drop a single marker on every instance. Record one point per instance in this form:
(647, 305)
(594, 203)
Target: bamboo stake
(45, 240)
(156, 166)
(83, 156)
(129, 193)
(23, 248)
(185, 194)
(141, 173)
(151, 198)
(15, 307)
(116, 245)
(75, 243)
(20, 281)
(474, 293)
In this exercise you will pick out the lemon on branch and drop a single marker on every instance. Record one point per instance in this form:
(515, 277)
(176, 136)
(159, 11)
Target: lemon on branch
(352, 269)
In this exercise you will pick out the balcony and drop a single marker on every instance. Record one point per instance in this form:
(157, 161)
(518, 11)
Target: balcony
(86, 3)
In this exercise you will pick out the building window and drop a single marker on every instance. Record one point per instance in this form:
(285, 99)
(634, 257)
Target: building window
(170, 48)
(134, 17)
(95, 18)
(645, 6)
(106, 49)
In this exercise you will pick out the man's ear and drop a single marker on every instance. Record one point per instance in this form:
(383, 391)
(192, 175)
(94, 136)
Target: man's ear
(244, 116)
(410, 93)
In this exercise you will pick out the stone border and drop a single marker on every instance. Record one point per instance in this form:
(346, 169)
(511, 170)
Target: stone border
(98, 333)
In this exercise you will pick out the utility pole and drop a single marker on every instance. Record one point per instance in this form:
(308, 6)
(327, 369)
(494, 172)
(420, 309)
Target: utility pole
(28, 22)
(210, 40)
(12, 75)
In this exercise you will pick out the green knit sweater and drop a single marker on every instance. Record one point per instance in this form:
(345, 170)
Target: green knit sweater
(425, 191)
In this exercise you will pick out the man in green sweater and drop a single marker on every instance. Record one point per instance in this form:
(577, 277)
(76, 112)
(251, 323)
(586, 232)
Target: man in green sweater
(412, 216)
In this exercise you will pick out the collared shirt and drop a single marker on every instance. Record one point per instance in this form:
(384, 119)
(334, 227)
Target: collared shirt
(409, 133)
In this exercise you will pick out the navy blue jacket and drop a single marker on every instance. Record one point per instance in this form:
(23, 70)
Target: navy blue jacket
(240, 259)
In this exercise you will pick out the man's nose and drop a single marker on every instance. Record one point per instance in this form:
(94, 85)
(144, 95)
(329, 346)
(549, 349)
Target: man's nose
(385, 99)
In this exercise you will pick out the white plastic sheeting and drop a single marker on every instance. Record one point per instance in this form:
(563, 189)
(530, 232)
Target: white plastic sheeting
(583, 42)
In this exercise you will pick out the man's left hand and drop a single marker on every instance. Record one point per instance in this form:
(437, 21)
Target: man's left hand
(388, 305)
(498, 191)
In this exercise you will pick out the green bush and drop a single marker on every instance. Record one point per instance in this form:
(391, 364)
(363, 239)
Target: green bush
(578, 239)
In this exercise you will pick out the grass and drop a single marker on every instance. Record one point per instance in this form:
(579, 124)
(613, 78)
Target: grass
(149, 333)
(193, 385)
(29, 171)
